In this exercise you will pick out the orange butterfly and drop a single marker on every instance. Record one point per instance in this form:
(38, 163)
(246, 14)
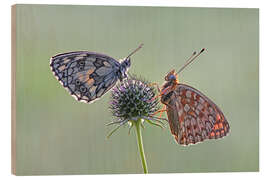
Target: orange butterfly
(192, 116)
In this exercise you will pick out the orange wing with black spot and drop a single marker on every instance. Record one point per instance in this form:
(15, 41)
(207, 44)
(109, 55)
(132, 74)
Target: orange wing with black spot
(193, 117)
(86, 75)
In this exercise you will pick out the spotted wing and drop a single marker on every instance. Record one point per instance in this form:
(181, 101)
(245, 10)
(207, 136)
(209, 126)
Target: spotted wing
(193, 117)
(86, 75)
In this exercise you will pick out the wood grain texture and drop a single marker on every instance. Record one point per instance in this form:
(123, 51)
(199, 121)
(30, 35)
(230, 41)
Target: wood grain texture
(13, 89)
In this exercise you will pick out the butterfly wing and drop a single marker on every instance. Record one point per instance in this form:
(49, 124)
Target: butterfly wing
(86, 75)
(193, 117)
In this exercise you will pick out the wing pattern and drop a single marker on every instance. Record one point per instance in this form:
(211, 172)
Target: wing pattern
(193, 117)
(86, 75)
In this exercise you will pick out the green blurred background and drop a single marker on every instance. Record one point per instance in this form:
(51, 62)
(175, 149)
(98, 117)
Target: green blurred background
(58, 135)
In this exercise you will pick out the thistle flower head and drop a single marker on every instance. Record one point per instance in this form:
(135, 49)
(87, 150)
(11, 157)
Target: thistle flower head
(133, 98)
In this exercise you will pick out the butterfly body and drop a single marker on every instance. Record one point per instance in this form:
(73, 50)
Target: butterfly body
(192, 116)
(88, 75)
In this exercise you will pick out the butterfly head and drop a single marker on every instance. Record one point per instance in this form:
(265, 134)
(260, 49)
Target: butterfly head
(125, 64)
(171, 76)
(124, 68)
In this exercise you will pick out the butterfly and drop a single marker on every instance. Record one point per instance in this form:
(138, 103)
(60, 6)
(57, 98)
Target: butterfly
(89, 75)
(192, 116)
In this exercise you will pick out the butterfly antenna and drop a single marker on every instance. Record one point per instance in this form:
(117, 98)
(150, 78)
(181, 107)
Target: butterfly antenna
(140, 46)
(190, 59)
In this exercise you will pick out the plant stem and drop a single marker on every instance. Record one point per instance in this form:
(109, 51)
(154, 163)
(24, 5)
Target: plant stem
(140, 145)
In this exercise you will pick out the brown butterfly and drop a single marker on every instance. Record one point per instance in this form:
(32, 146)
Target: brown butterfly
(192, 116)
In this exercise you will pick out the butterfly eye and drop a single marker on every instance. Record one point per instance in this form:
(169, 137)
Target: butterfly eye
(172, 77)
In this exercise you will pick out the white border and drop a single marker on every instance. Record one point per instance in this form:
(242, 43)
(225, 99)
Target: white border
(5, 90)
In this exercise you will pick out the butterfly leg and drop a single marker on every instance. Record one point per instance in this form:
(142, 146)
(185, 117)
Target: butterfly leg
(160, 111)
(157, 86)
(158, 119)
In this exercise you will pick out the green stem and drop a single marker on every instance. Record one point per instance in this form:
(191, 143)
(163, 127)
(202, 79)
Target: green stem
(140, 145)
